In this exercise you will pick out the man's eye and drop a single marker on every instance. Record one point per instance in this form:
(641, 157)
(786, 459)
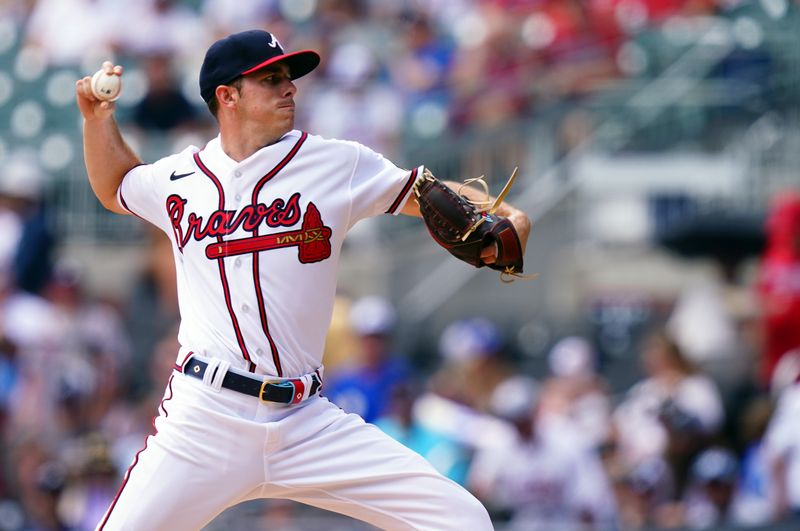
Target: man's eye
(274, 79)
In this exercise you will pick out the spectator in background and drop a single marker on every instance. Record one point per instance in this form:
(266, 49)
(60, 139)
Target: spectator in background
(38, 480)
(756, 489)
(92, 481)
(779, 282)
(42, 500)
(577, 392)
(547, 478)
(342, 343)
(488, 73)
(334, 16)
(59, 28)
(152, 307)
(446, 456)
(705, 327)
(164, 107)
(715, 322)
(457, 402)
(421, 70)
(709, 501)
(474, 363)
(645, 492)
(71, 376)
(782, 440)
(366, 389)
(419, 73)
(165, 26)
(26, 319)
(354, 90)
(563, 40)
(23, 218)
(671, 413)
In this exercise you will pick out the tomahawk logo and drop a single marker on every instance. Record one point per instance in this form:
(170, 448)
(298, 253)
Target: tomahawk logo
(313, 241)
(274, 42)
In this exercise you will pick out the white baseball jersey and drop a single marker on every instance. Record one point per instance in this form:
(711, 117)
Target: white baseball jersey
(257, 242)
(256, 245)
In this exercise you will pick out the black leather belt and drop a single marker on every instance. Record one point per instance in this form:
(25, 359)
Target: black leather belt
(282, 391)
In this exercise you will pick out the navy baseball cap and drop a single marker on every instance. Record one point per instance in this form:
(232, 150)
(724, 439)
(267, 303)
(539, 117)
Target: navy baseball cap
(245, 52)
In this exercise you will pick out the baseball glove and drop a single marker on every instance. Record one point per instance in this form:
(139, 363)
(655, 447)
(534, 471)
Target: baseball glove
(465, 228)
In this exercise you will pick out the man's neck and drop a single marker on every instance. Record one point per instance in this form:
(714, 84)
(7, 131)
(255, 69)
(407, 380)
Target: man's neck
(239, 145)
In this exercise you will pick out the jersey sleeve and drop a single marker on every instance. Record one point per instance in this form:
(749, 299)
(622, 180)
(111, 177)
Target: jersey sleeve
(377, 186)
(144, 188)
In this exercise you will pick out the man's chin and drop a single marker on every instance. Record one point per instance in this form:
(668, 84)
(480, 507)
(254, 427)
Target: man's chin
(288, 121)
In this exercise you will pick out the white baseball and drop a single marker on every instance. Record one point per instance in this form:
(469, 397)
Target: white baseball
(106, 87)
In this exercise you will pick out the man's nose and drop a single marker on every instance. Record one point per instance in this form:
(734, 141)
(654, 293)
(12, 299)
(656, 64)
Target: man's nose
(290, 89)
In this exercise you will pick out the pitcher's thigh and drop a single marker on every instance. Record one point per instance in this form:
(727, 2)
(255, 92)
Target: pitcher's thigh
(164, 490)
(353, 468)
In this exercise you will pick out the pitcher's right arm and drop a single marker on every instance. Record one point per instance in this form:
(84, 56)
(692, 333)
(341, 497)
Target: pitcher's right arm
(107, 156)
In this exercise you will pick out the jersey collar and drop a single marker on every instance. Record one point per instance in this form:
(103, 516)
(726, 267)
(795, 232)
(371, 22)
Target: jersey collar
(221, 164)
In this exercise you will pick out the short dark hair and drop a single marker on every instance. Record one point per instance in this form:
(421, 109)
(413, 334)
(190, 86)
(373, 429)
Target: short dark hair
(213, 104)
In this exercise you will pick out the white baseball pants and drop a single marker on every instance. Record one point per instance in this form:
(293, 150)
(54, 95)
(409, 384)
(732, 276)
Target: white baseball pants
(214, 449)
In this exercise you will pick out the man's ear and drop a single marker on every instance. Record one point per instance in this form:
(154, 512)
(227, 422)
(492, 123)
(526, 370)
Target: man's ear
(227, 96)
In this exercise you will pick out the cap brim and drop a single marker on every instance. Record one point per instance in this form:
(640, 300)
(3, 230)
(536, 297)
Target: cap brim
(299, 63)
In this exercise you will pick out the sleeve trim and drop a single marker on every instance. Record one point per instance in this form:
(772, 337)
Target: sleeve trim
(404, 193)
(121, 199)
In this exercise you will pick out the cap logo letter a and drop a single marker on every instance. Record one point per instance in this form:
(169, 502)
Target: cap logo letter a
(274, 42)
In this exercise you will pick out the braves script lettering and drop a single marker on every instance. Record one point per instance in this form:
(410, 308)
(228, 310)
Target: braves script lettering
(224, 222)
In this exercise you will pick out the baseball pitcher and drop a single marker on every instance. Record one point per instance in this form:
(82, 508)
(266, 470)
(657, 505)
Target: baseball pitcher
(257, 218)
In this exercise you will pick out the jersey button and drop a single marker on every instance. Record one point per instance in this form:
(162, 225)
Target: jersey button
(259, 351)
(245, 308)
(238, 197)
(237, 262)
(237, 173)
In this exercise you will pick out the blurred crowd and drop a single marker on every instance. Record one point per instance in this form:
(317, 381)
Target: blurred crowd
(414, 67)
(687, 446)
(707, 436)
(406, 69)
